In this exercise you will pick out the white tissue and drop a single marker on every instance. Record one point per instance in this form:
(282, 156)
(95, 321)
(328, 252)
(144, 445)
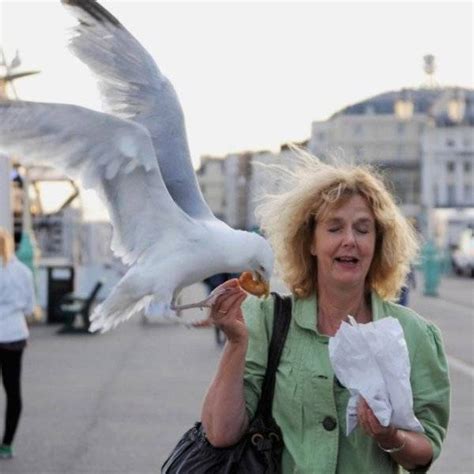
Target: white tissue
(371, 361)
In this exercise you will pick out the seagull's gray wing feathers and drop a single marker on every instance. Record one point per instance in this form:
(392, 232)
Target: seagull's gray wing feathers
(113, 156)
(133, 87)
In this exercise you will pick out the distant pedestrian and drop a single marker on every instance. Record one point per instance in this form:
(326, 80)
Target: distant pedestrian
(211, 284)
(16, 301)
(410, 282)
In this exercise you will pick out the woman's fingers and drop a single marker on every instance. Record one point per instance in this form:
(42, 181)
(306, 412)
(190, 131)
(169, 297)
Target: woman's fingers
(227, 299)
(228, 317)
(369, 422)
(229, 284)
(372, 421)
(362, 415)
(230, 305)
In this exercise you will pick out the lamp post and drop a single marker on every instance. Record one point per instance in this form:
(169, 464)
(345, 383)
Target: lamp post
(430, 259)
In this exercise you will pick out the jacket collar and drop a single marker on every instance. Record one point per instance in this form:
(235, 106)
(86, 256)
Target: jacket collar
(305, 312)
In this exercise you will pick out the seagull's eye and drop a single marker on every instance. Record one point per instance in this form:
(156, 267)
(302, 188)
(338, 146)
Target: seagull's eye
(261, 268)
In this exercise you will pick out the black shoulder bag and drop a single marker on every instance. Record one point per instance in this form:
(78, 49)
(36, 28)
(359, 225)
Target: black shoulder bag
(260, 449)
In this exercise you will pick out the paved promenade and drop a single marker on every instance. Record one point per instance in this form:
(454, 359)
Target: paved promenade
(453, 312)
(117, 404)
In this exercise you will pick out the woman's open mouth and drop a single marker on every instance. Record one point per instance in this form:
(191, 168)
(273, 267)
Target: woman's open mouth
(347, 261)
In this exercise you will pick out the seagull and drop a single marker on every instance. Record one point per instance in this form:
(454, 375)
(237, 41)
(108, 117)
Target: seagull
(135, 155)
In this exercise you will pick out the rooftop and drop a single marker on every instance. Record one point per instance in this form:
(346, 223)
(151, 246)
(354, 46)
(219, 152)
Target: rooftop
(434, 102)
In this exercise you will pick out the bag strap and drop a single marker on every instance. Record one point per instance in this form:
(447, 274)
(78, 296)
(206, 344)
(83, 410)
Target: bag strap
(281, 324)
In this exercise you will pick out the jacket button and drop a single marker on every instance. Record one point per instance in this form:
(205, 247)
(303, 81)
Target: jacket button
(329, 423)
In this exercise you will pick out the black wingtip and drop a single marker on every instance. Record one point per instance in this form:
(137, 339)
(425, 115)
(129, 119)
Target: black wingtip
(94, 9)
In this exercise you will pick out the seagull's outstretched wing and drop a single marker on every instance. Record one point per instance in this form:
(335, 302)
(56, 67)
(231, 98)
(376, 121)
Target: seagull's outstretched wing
(133, 87)
(111, 155)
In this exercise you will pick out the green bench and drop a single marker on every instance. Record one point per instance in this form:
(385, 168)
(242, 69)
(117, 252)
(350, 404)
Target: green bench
(72, 306)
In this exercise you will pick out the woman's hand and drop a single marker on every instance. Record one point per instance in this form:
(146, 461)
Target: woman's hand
(407, 448)
(226, 313)
(385, 435)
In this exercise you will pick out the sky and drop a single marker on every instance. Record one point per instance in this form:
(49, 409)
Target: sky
(254, 75)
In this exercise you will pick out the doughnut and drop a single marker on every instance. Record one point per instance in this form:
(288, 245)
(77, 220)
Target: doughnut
(256, 287)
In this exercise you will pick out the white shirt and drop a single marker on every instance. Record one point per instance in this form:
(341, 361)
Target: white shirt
(17, 299)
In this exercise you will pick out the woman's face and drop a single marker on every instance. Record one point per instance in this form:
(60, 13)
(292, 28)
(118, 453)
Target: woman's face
(343, 244)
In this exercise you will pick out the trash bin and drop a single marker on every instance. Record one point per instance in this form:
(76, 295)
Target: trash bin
(60, 283)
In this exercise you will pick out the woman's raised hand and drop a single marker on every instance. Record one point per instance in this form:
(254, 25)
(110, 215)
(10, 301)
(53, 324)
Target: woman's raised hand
(226, 313)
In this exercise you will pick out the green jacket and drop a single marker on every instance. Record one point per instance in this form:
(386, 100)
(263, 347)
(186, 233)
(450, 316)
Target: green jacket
(309, 403)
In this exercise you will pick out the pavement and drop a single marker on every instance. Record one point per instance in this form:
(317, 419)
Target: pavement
(453, 312)
(118, 403)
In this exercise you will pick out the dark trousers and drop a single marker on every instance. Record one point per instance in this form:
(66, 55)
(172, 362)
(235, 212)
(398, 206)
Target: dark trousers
(10, 366)
(403, 299)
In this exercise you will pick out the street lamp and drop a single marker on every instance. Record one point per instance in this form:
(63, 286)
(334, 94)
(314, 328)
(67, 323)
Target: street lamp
(404, 106)
(456, 106)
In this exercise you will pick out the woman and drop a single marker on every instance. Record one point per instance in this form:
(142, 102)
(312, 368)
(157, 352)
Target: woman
(16, 301)
(342, 247)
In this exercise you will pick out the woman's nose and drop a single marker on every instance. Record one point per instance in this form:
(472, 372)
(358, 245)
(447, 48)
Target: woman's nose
(348, 237)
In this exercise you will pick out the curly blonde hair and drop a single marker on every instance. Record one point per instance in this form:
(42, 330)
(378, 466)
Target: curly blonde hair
(288, 220)
(7, 246)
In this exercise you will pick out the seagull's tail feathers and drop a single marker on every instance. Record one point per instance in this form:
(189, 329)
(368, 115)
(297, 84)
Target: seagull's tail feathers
(118, 307)
(132, 294)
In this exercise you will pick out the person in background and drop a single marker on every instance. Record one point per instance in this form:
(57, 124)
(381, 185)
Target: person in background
(211, 284)
(342, 247)
(17, 299)
(410, 282)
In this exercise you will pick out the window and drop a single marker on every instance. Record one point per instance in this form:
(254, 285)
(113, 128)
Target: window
(450, 142)
(400, 151)
(467, 166)
(401, 128)
(467, 194)
(451, 195)
(450, 166)
(370, 109)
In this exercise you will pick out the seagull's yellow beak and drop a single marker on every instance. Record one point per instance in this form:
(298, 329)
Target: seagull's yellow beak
(262, 283)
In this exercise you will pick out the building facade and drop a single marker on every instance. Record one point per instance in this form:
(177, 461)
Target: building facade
(211, 178)
(422, 142)
(447, 188)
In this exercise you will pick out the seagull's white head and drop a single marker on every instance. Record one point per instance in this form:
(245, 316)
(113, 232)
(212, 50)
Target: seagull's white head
(259, 256)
